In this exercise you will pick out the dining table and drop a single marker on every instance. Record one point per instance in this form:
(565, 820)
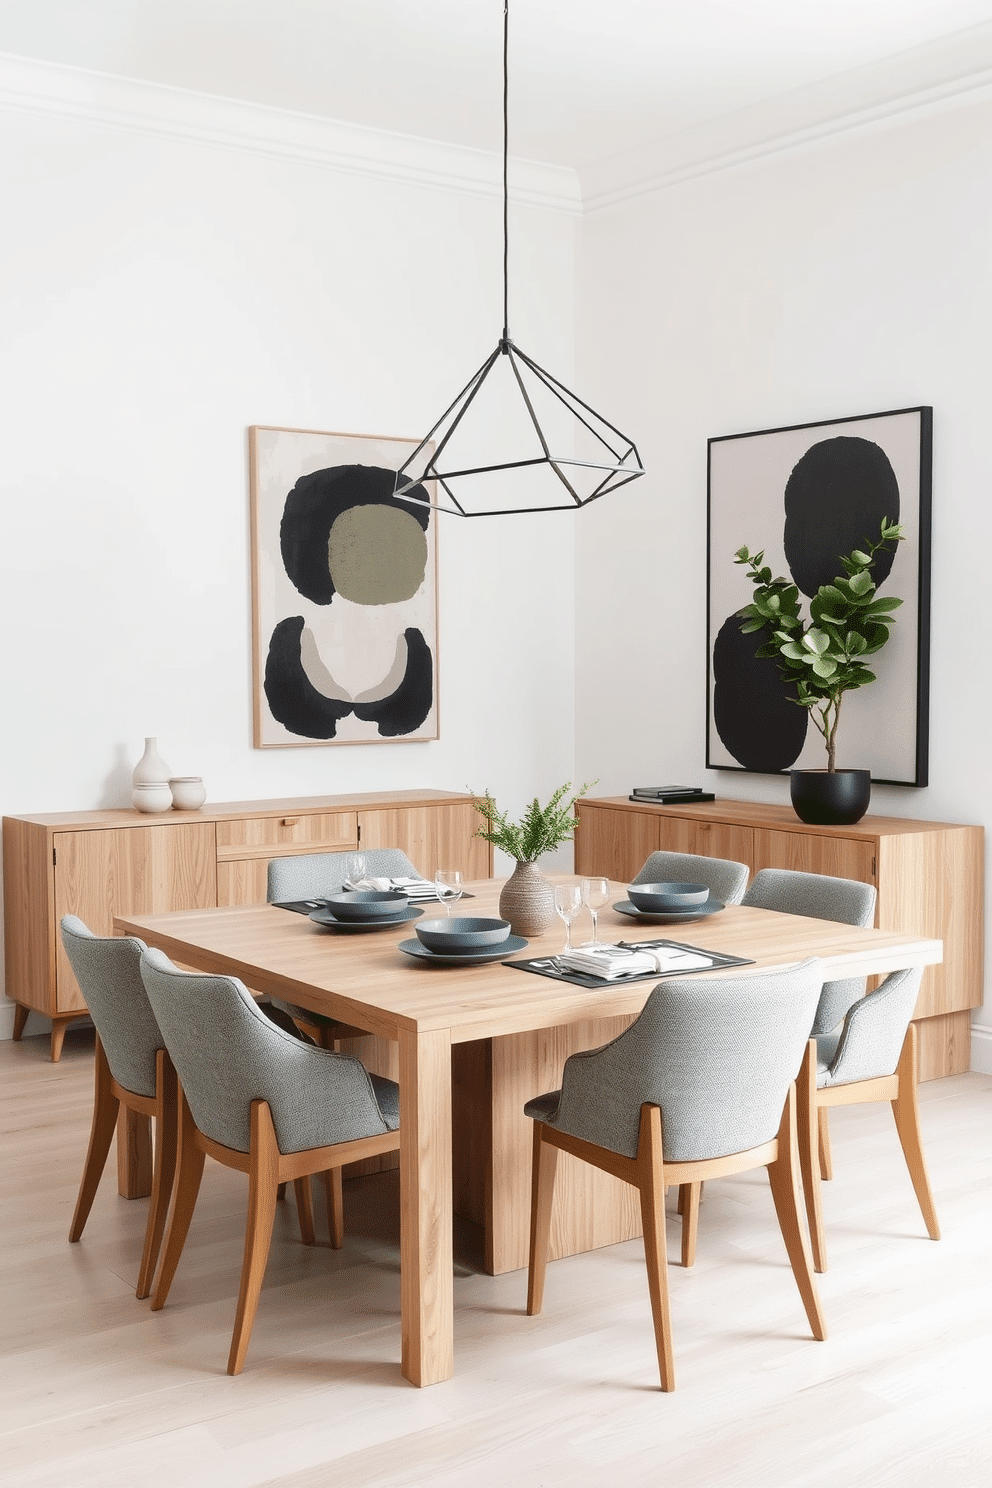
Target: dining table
(479, 1040)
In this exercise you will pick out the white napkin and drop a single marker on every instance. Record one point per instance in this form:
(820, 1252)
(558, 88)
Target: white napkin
(611, 961)
(413, 888)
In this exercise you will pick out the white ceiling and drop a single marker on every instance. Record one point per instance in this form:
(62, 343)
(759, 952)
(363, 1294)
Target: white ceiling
(589, 78)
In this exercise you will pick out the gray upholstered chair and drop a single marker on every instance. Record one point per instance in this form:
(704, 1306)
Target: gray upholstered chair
(725, 879)
(872, 1057)
(699, 1086)
(260, 1101)
(315, 875)
(820, 897)
(132, 1069)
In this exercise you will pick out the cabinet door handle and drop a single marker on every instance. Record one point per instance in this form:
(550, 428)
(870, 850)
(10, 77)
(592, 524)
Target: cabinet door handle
(290, 821)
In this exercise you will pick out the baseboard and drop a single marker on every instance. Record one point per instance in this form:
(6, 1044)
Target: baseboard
(981, 1048)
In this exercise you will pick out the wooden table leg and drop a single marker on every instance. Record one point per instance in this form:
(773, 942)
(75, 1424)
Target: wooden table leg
(134, 1154)
(426, 1289)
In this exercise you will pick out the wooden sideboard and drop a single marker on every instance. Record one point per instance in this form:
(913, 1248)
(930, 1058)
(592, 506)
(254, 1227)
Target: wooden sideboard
(96, 864)
(929, 877)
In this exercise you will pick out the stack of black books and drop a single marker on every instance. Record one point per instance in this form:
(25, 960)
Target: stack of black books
(671, 795)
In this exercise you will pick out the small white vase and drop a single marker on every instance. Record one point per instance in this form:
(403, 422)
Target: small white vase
(156, 797)
(188, 792)
(151, 769)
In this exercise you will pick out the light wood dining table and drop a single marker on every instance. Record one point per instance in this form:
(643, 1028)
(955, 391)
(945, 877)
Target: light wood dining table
(431, 1010)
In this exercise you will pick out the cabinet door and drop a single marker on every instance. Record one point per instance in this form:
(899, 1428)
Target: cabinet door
(838, 857)
(432, 837)
(136, 870)
(614, 843)
(243, 881)
(708, 839)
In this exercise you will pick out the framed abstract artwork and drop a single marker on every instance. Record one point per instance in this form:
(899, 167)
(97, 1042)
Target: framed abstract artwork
(344, 615)
(805, 495)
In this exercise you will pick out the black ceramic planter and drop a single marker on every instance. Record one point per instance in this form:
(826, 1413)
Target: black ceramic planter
(827, 798)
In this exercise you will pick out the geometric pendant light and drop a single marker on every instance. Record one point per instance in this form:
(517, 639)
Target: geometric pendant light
(516, 439)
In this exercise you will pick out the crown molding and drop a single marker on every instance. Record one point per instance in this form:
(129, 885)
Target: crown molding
(81, 96)
(859, 103)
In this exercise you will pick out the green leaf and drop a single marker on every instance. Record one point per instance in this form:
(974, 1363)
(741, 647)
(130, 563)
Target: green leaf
(860, 584)
(824, 666)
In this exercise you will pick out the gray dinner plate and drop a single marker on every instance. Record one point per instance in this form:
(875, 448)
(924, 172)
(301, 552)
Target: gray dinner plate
(506, 947)
(328, 921)
(669, 916)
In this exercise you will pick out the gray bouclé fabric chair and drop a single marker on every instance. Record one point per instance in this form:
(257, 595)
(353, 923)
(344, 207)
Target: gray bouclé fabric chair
(872, 1057)
(260, 1101)
(700, 1085)
(725, 879)
(132, 1069)
(315, 875)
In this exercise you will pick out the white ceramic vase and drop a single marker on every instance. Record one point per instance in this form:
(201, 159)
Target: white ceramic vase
(150, 779)
(188, 792)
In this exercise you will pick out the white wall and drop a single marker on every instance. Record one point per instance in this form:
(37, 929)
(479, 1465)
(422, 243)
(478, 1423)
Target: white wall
(160, 294)
(850, 278)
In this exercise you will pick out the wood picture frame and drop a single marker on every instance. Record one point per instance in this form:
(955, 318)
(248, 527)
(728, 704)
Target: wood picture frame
(805, 494)
(344, 592)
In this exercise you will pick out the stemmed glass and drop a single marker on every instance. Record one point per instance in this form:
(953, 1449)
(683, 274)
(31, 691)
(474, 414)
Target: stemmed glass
(595, 893)
(568, 902)
(448, 887)
(357, 868)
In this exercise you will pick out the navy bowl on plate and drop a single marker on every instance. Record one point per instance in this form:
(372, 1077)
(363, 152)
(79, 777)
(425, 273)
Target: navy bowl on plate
(461, 933)
(657, 898)
(366, 904)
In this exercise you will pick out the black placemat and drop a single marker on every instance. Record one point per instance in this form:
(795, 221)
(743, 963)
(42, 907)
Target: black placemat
(304, 906)
(544, 965)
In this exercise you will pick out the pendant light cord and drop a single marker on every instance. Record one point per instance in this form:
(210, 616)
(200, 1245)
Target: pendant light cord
(506, 191)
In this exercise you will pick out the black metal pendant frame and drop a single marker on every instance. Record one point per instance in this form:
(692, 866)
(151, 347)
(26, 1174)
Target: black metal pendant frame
(620, 462)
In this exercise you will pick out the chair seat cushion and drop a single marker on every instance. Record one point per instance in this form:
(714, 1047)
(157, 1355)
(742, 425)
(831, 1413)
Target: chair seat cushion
(543, 1107)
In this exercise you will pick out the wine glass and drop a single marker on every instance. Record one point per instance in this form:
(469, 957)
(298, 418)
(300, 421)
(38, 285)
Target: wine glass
(448, 887)
(595, 893)
(568, 902)
(357, 868)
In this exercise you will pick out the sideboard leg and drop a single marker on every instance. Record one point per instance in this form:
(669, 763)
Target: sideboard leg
(20, 1018)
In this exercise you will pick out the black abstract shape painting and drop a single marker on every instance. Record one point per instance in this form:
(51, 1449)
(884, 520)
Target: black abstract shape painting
(807, 495)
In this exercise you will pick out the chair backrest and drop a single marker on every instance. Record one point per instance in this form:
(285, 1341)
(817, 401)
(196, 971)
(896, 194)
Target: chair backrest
(871, 1040)
(822, 898)
(725, 879)
(717, 1056)
(228, 1054)
(315, 875)
(107, 970)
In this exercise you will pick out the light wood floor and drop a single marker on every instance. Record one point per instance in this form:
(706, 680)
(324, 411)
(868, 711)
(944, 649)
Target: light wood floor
(97, 1390)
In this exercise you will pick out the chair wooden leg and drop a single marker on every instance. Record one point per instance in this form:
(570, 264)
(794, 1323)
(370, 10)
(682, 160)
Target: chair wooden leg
(823, 1144)
(545, 1165)
(263, 1180)
(304, 1209)
(166, 1143)
(807, 1113)
(334, 1200)
(689, 1195)
(20, 1018)
(187, 1186)
(907, 1114)
(783, 1175)
(652, 1193)
(105, 1107)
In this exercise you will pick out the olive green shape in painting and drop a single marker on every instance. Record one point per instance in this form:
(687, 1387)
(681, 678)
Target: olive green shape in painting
(377, 555)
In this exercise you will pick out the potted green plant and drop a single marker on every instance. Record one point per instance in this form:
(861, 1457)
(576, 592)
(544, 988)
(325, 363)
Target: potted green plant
(527, 899)
(823, 658)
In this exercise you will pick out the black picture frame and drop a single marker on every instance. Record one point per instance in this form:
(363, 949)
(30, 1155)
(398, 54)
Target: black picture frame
(850, 469)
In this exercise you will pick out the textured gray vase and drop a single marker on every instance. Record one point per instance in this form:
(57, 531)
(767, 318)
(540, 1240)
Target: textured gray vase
(527, 901)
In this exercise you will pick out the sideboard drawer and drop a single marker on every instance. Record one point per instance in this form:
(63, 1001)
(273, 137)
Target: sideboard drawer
(277, 836)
